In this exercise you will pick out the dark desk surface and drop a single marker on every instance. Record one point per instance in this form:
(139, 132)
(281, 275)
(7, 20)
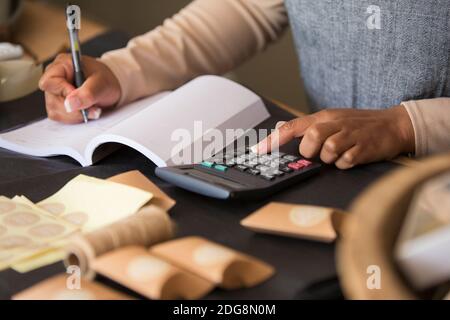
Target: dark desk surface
(298, 263)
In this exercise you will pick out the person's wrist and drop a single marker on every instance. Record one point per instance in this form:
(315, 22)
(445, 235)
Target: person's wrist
(404, 129)
(113, 82)
(115, 85)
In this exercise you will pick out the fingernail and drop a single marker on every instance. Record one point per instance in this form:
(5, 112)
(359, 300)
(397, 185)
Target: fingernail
(67, 105)
(280, 124)
(261, 148)
(72, 103)
(95, 114)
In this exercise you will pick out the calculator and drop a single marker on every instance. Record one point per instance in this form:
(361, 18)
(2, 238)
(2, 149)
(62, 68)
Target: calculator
(240, 174)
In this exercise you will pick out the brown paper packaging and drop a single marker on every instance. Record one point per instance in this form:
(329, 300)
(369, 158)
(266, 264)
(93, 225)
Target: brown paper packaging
(138, 270)
(224, 267)
(56, 289)
(296, 221)
(149, 226)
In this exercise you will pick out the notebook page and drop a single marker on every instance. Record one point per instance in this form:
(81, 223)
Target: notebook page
(48, 138)
(215, 102)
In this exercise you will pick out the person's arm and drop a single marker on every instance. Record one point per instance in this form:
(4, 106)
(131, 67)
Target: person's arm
(431, 121)
(207, 37)
(349, 137)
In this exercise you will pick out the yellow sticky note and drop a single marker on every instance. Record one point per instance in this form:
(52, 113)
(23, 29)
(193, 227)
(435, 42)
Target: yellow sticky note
(39, 260)
(6, 257)
(94, 203)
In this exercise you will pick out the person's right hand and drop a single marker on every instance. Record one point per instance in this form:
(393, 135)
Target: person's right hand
(64, 102)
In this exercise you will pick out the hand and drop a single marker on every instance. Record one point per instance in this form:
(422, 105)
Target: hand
(348, 137)
(64, 102)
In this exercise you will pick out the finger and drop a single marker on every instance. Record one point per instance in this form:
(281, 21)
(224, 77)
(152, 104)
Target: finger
(277, 126)
(56, 112)
(56, 82)
(336, 145)
(63, 117)
(280, 124)
(315, 136)
(58, 86)
(94, 113)
(57, 79)
(69, 118)
(350, 158)
(51, 105)
(290, 130)
(86, 96)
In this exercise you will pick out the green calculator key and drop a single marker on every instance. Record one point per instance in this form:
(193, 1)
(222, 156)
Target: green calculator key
(208, 164)
(221, 168)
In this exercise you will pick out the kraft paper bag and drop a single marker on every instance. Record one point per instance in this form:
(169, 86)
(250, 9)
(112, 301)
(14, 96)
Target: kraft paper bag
(57, 288)
(297, 221)
(225, 267)
(138, 180)
(150, 276)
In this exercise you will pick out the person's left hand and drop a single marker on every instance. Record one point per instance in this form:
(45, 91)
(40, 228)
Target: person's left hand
(347, 137)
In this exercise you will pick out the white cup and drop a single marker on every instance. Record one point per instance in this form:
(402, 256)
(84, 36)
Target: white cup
(18, 78)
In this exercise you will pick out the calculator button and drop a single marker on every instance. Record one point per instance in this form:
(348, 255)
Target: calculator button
(221, 168)
(263, 168)
(240, 160)
(241, 168)
(277, 173)
(267, 177)
(295, 166)
(263, 162)
(291, 158)
(284, 161)
(278, 154)
(230, 163)
(250, 165)
(301, 164)
(254, 172)
(286, 169)
(208, 164)
(217, 159)
(273, 157)
(306, 163)
(275, 164)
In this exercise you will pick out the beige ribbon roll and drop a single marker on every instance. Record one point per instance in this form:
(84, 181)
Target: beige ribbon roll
(149, 226)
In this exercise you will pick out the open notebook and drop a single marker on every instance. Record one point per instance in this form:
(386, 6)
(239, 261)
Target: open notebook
(154, 126)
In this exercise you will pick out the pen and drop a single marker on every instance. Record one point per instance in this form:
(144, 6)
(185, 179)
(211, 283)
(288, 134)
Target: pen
(73, 28)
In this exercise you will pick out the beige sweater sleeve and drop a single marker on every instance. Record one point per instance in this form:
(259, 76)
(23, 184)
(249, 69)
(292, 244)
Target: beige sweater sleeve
(213, 37)
(431, 122)
(207, 37)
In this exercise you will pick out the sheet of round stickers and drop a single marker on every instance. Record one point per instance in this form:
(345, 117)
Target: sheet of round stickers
(25, 229)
